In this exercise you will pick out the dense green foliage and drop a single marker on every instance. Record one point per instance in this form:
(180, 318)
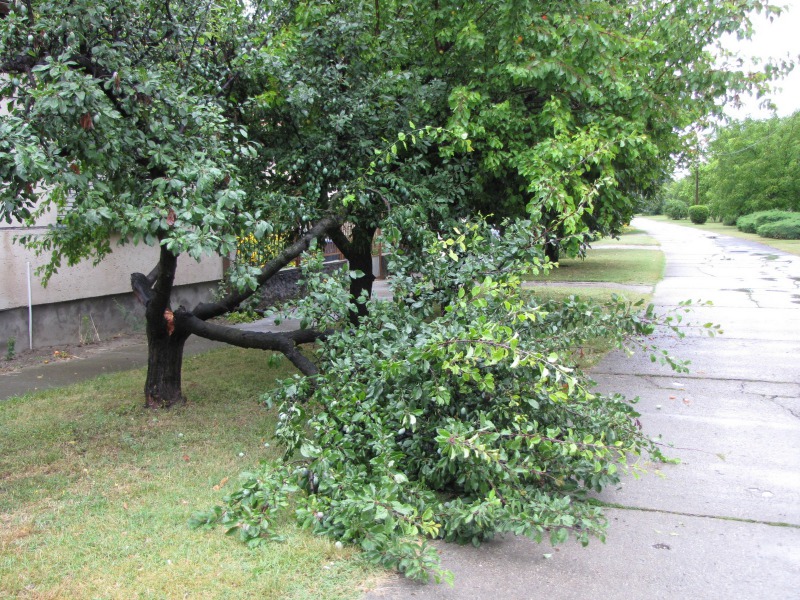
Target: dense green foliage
(113, 111)
(751, 167)
(778, 224)
(676, 209)
(750, 223)
(168, 117)
(785, 229)
(698, 214)
(477, 136)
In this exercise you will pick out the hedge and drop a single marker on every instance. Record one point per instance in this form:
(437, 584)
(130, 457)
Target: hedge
(675, 209)
(785, 229)
(750, 223)
(698, 214)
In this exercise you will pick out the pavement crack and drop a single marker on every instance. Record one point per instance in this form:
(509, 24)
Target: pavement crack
(777, 401)
(749, 292)
(697, 515)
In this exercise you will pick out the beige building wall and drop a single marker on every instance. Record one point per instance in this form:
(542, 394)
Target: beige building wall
(85, 301)
(84, 280)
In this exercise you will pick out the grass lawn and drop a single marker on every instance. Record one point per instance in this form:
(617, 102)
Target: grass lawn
(790, 246)
(604, 265)
(96, 492)
(598, 294)
(625, 266)
(630, 237)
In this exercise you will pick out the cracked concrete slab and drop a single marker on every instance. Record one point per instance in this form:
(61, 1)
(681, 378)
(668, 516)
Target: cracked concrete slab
(647, 555)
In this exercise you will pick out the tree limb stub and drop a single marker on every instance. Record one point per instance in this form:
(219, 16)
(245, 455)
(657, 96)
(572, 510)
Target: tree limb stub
(141, 285)
(285, 343)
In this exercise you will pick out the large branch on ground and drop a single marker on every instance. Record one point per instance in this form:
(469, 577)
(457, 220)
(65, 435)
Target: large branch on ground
(209, 310)
(285, 343)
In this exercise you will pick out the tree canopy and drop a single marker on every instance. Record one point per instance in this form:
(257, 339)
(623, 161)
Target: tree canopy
(476, 135)
(140, 109)
(753, 166)
(749, 166)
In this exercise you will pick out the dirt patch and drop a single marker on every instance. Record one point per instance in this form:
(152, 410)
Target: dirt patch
(65, 352)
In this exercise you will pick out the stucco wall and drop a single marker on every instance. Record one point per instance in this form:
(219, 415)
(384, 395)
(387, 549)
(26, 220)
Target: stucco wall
(85, 280)
(84, 296)
(79, 321)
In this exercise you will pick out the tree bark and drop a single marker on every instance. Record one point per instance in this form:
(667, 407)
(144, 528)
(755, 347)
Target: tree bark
(358, 252)
(284, 342)
(162, 388)
(165, 340)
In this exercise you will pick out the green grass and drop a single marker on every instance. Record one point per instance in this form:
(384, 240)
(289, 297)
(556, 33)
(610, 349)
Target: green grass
(598, 294)
(630, 237)
(644, 267)
(595, 349)
(790, 246)
(96, 492)
(604, 265)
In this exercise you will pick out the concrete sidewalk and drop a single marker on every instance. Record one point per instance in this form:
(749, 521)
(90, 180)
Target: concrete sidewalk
(725, 522)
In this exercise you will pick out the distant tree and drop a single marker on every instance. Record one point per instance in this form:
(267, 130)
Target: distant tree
(692, 188)
(754, 166)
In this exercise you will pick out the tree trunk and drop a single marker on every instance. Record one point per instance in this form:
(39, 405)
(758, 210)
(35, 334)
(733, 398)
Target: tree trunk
(360, 259)
(551, 251)
(165, 340)
(162, 388)
(167, 332)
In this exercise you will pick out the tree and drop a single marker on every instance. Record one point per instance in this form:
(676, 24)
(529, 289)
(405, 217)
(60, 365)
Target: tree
(753, 166)
(184, 124)
(685, 190)
(125, 108)
(474, 134)
(574, 109)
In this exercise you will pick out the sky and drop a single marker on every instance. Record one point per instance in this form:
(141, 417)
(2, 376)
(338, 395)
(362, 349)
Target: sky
(776, 40)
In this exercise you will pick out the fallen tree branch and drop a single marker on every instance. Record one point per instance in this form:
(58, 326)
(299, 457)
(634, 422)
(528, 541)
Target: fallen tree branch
(285, 343)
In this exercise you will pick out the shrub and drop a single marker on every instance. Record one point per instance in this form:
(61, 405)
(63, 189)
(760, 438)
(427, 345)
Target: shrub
(786, 229)
(651, 205)
(729, 220)
(675, 209)
(750, 223)
(698, 214)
